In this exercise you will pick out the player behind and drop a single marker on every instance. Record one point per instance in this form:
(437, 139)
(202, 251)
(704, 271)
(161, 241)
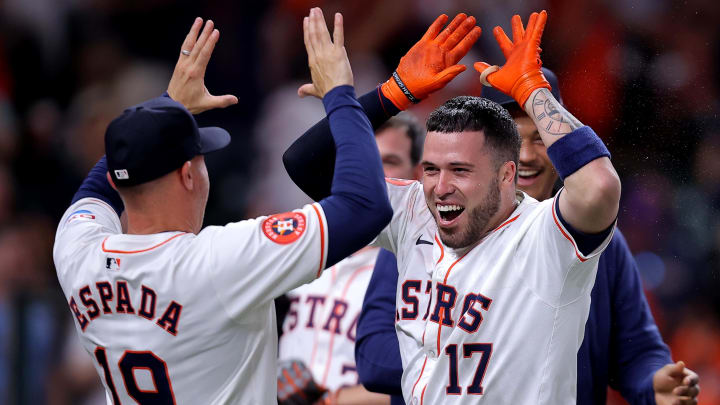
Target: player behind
(319, 329)
(622, 346)
(170, 312)
(508, 278)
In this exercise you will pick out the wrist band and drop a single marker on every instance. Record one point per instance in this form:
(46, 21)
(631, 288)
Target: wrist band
(404, 88)
(575, 150)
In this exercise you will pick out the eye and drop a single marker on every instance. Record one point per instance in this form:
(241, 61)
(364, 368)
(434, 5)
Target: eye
(460, 170)
(430, 169)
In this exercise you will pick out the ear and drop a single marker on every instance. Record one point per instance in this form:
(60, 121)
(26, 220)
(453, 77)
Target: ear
(507, 172)
(110, 180)
(186, 176)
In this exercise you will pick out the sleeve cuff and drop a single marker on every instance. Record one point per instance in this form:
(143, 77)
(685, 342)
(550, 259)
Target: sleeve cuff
(340, 96)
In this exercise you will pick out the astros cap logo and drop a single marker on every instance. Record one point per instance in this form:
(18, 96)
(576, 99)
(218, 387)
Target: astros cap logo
(284, 228)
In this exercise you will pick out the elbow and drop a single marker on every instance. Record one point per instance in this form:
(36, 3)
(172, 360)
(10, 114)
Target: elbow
(603, 198)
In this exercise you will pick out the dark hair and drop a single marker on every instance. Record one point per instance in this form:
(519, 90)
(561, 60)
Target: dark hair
(466, 113)
(412, 128)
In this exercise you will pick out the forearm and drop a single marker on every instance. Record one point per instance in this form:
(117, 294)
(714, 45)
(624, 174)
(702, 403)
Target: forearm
(591, 195)
(96, 185)
(358, 207)
(310, 160)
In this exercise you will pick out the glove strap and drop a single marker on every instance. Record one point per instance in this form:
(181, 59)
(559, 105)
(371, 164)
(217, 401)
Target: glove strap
(404, 88)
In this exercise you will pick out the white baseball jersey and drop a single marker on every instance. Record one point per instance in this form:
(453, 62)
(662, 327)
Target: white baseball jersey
(497, 323)
(181, 318)
(321, 324)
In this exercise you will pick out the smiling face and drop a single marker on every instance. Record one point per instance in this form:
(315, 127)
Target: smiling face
(536, 174)
(461, 185)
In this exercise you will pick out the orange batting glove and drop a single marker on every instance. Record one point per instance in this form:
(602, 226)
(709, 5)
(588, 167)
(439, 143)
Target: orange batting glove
(521, 74)
(431, 63)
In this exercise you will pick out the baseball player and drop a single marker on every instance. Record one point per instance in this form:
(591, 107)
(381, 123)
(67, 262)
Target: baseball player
(507, 278)
(320, 326)
(173, 313)
(319, 329)
(622, 346)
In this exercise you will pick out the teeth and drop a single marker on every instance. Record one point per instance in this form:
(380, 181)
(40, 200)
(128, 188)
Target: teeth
(448, 208)
(528, 173)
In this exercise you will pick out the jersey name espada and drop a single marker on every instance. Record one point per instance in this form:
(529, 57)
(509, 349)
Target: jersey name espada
(181, 318)
(497, 323)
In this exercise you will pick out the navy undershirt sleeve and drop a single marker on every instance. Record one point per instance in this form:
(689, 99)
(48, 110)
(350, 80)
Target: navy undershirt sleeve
(586, 242)
(358, 208)
(377, 351)
(310, 160)
(637, 350)
(96, 185)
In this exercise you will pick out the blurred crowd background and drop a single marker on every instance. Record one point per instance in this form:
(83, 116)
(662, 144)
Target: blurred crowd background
(645, 74)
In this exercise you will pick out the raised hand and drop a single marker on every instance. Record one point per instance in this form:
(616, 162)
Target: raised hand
(432, 62)
(187, 85)
(328, 61)
(521, 73)
(675, 384)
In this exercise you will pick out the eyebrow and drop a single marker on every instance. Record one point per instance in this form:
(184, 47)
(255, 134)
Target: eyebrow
(468, 164)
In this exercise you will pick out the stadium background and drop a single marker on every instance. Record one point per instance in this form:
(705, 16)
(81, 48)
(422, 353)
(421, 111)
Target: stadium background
(644, 73)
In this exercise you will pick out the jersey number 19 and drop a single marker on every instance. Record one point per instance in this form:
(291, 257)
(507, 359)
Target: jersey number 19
(131, 360)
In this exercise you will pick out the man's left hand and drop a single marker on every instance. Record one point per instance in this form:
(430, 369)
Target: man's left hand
(187, 85)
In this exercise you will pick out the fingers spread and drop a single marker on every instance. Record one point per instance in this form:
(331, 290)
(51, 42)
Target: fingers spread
(223, 101)
(190, 38)
(454, 24)
(306, 37)
(539, 26)
(209, 25)
(464, 46)
(448, 74)
(460, 33)
(206, 51)
(518, 32)
(307, 89)
(480, 66)
(532, 21)
(435, 28)
(338, 31)
(506, 46)
(319, 34)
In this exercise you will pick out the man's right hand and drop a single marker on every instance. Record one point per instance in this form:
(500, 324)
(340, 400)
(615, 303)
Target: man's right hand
(328, 61)
(432, 62)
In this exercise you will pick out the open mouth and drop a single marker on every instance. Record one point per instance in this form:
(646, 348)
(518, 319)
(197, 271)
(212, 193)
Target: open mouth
(527, 177)
(448, 213)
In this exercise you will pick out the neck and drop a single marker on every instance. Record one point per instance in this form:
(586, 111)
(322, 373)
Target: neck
(507, 207)
(159, 217)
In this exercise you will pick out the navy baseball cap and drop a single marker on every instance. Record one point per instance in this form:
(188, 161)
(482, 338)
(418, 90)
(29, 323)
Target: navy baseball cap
(154, 138)
(504, 100)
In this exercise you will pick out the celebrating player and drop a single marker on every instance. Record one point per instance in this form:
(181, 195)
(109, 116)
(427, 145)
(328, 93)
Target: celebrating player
(622, 346)
(320, 326)
(508, 278)
(319, 329)
(172, 313)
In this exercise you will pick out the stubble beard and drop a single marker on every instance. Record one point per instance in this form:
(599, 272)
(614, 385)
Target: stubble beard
(479, 218)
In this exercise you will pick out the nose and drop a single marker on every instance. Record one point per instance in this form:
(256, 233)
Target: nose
(527, 153)
(444, 184)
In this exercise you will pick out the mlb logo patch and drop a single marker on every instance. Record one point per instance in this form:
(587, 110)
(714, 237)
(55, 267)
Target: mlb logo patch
(122, 174)
(112, 263)
(284, 228)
